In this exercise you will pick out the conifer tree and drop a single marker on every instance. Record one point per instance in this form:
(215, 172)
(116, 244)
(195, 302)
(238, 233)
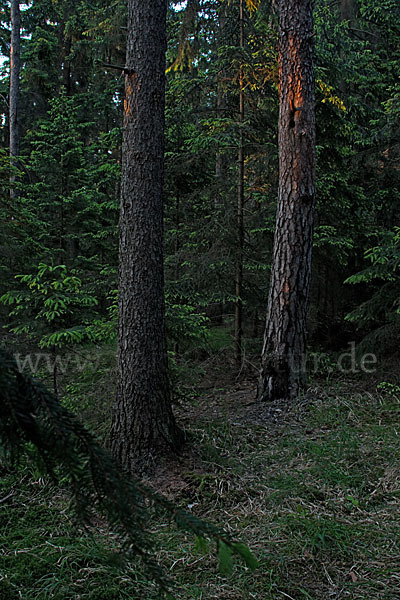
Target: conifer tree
(143, 423)
(283, 354)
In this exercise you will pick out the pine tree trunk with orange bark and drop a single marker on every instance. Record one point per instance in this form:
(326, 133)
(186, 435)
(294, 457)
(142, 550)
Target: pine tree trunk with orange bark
(284, 352)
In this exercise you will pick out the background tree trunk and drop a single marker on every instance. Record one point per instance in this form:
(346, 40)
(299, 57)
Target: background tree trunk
(347, 10)
(143, 424)
(15, 65)
(221, 161)
(284, 350)
(240, 207)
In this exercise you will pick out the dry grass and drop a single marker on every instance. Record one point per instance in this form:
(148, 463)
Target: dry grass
(314, 489)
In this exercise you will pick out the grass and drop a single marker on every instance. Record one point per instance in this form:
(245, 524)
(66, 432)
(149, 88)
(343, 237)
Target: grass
(315, 492)
(46, 555)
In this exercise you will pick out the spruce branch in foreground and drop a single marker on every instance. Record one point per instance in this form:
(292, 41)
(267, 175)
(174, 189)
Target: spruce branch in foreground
(30, 414)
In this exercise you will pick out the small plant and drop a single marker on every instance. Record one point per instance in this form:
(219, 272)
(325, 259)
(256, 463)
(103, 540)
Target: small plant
(47, 308)
(391, 389)
(185, 324)
(50, 309)
(381, 312)
(321, 364)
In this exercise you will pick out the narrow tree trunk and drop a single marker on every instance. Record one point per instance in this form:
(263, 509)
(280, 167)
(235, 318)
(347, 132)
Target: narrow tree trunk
(239, 212)
(221, 159)
(347, 13)
(284, 350)
(347, 10)
(55, 372)
(177, 229)
(177, 243)
(15, 65)
(143, 425)
(66, 68)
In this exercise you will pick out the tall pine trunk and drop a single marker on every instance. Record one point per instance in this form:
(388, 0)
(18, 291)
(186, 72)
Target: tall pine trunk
(15, 65)
(143, 426)
(284, 350)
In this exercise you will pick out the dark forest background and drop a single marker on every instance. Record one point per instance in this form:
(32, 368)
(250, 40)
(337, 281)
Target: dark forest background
(62, 223)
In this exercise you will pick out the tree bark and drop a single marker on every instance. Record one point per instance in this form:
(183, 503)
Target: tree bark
(347, 10)
(143, 425)
(240, 208)
(284, 351)
(221, 107)
(15, 66)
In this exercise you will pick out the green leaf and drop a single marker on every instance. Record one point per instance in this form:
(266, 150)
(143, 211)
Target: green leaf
(245, 552)
(224, 559)
(201, 545)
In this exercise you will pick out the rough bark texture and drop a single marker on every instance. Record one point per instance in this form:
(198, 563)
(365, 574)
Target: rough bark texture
(284, 350)
(15, 65)
(239, 210)
(221, 163)
(143, 424)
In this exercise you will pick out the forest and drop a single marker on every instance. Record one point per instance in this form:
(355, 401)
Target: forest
(200, 299)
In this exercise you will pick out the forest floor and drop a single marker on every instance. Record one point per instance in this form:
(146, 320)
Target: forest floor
(313, 488)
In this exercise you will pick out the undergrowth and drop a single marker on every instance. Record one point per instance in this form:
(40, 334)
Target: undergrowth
(315, 493)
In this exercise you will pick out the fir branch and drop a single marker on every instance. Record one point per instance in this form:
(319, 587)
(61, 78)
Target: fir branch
(30, 414)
